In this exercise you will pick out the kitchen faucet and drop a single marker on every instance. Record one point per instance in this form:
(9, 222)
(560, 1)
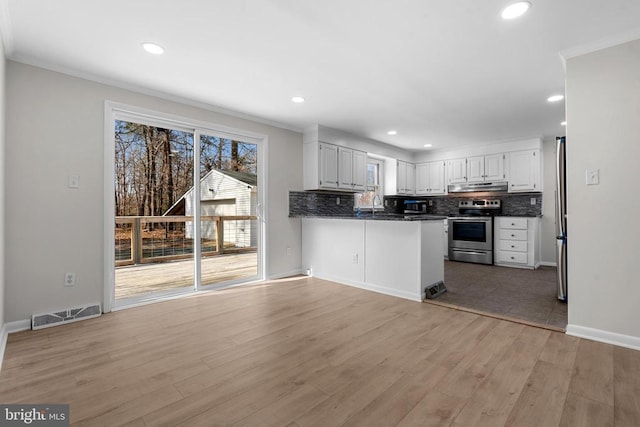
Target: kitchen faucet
(373, 203)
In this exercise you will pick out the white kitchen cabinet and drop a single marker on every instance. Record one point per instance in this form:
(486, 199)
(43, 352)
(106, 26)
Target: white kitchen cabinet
(405, 178)
(328, 166)
(320, 166)
(356, 252)
(488, 168)
(524, 171)
(430, 178)
(495, 167)
(457, 171)
(359, 170)
(475, 169)
(352, 169)
(517, 242)
(345, 168)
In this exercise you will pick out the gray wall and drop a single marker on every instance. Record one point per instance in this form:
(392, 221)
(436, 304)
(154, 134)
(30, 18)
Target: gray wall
(55, 129)
(603, 132)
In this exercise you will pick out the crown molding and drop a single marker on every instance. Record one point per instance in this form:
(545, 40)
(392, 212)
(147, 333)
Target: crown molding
(600, 44)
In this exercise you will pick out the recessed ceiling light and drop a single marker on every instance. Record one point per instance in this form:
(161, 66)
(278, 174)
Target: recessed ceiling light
(297, 99)
(392, 132)
(515, 10)
(153, 48)
(428, 145)
(555, 98)
(563, 123)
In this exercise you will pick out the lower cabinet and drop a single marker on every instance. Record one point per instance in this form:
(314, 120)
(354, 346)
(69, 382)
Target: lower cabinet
(517, 241)
(399, 258)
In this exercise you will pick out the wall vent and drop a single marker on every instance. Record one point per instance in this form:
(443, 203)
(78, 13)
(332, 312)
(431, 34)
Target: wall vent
(46, 320)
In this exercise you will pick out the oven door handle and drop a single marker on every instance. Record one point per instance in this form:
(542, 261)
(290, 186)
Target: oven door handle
(469, 252)
(479, 219)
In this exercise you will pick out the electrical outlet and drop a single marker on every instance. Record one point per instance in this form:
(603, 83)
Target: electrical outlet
(337, 200)
(533, 201)
(430, 202)
(288, 251)
(355, 258)
(69, 279)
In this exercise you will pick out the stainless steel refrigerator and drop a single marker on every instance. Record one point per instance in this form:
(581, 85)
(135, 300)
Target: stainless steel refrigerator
(561, 217)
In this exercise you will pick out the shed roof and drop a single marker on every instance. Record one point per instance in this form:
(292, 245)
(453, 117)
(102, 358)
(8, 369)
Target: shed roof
(246, 178)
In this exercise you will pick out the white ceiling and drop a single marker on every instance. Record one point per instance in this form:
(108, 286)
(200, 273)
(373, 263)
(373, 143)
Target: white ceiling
(443, 72)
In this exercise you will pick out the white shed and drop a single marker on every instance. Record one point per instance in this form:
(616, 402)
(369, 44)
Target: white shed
(223, 193)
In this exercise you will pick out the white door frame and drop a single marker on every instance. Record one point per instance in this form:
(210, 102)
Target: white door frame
(118, 111)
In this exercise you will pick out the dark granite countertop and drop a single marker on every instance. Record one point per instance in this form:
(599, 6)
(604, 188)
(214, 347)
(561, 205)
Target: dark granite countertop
(523, 216)
(382, 216)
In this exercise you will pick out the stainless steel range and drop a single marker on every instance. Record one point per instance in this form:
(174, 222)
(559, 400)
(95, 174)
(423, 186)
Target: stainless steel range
(471, 233)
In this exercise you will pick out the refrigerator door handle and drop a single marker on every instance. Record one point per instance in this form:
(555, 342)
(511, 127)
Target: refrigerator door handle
(560, 187)
(561, 256)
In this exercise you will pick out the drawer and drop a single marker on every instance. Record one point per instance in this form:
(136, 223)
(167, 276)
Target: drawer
(515, 257)
(513, 245)
(513, 234)
(513, 223)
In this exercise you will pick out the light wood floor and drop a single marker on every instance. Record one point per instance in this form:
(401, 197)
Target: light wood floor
(136, 280)
(306, 352)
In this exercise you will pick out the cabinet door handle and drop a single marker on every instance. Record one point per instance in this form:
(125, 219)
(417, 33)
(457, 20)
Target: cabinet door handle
(513, 235)
(512, 246)
(512, 257)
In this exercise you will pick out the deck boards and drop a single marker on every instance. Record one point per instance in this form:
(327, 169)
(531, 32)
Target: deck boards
(305, 352)
(136, 280)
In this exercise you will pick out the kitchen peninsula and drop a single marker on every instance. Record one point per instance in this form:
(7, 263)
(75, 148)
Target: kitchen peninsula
(392, 254)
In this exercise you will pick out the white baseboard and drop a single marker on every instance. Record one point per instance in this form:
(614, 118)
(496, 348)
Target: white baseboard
(284, 274)
(8, 328)
(614, 338)
(548, 264)
(370, 287)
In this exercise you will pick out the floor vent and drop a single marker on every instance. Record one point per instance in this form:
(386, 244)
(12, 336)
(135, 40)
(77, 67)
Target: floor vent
(432, 291)
(39, 321)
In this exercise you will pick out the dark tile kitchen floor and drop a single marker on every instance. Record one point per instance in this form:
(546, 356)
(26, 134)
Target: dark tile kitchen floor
(527, 295)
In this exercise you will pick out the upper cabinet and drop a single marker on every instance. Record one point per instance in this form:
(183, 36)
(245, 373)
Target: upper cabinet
(524, 171)
(330, 162)
(336, 160)
(320, 166)
(430, 178)
(352, 169)
(330, 167)
(486, 168)
(457, 171)
(405, 178)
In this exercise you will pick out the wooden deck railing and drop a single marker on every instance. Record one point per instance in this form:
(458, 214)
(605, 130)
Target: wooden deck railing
(152, 239)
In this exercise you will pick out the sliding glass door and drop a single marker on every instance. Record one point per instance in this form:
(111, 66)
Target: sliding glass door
(228, 208)
(186, 205)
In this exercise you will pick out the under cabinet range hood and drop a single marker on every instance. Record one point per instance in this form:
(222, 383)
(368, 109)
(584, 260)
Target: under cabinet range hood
(477, 186)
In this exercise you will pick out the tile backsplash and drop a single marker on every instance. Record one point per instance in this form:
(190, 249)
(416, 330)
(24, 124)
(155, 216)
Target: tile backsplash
(302, 203)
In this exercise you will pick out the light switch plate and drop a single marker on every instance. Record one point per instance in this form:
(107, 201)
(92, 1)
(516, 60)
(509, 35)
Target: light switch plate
(74, 181)
(593, 176)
